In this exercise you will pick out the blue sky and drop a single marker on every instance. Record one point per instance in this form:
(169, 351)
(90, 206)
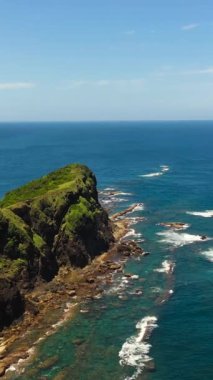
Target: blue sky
(106, 59)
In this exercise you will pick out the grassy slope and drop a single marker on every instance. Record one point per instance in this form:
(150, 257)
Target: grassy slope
(70, 177)
(75, 179)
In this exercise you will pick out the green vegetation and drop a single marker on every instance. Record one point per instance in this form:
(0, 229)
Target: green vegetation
(81, 214)
(50, 222)
(11, 268)
(38, 241)
(72, 177)
(40, 220)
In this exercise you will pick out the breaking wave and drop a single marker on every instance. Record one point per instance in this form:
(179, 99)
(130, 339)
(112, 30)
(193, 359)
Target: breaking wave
(132, 233)
(163, 170)
(135, 351)
(152, 174)
(135, 220)
(208, 254)
(204, 214)
(167, 267)
(180, 239)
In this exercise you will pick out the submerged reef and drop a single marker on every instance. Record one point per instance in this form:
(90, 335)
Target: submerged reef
(50, 222)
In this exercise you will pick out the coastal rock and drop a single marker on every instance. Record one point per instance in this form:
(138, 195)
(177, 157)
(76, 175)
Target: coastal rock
(51, 222)
(3, 367)
(49, 362)
(11, 302)
(115, 266)
(63, 375)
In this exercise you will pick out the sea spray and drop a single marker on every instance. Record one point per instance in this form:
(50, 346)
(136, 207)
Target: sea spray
(135, 351)
(167, 267)
(208, 254)
(204, 214)
(180, 239)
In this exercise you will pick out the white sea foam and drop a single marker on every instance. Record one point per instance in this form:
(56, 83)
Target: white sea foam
(163, 170)
(122, 193)
(133, 234)
(156, 289)
(204, 214)
(208, 254)
(135, 277)
(179, 239)
(136, 207)
(135, 351)
(106, 201)
(167, 267)
(135, 220)
(157, 174)
(113, 199)
(139, 207)
(12, 368)
(118, 287)
(185, 226)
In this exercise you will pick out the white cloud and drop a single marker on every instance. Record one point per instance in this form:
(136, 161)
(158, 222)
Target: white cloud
(167, 71)
(130, 32)
(139, 82)
(189, 27)
(16, 85)
(77, 83)
(103, 82)
(208, 70)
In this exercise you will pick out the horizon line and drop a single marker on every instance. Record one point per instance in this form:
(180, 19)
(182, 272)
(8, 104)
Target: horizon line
(103, 121)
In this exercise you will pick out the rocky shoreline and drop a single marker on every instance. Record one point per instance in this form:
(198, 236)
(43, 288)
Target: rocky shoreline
(50, 304)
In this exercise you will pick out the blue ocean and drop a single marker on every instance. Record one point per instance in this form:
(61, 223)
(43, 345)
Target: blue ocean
(164, 331)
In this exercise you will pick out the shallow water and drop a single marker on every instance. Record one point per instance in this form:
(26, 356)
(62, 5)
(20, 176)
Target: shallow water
(114, 340)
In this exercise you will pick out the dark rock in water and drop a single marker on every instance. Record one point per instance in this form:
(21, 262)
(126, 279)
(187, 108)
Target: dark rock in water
(115, 266)
(63, 375)
(51, 222)
(145, 253)
(49, 362)
(150, 366)
(78, 342)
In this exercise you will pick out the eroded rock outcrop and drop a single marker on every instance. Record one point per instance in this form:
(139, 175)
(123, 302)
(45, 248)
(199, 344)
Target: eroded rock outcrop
(53, 221)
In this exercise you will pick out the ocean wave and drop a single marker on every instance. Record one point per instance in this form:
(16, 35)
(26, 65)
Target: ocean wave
(135, 351)
(132, 233)
(204, 214)
(163, 170)
(167, 267)
(157, 174)
(180, 239)
(139, 207)
(208, 254)
(119, 287)
(135, 220)
(122, 193)
(156, 289)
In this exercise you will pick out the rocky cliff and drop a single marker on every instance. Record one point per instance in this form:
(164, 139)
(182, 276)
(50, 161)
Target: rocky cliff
(53, 221)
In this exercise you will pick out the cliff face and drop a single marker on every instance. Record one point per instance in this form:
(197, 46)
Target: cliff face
(53, 221)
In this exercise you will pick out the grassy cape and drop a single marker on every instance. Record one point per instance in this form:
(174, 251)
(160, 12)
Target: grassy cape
(44, 217)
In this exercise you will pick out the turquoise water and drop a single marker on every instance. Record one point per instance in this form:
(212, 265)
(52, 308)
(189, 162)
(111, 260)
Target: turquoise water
(180, 329)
